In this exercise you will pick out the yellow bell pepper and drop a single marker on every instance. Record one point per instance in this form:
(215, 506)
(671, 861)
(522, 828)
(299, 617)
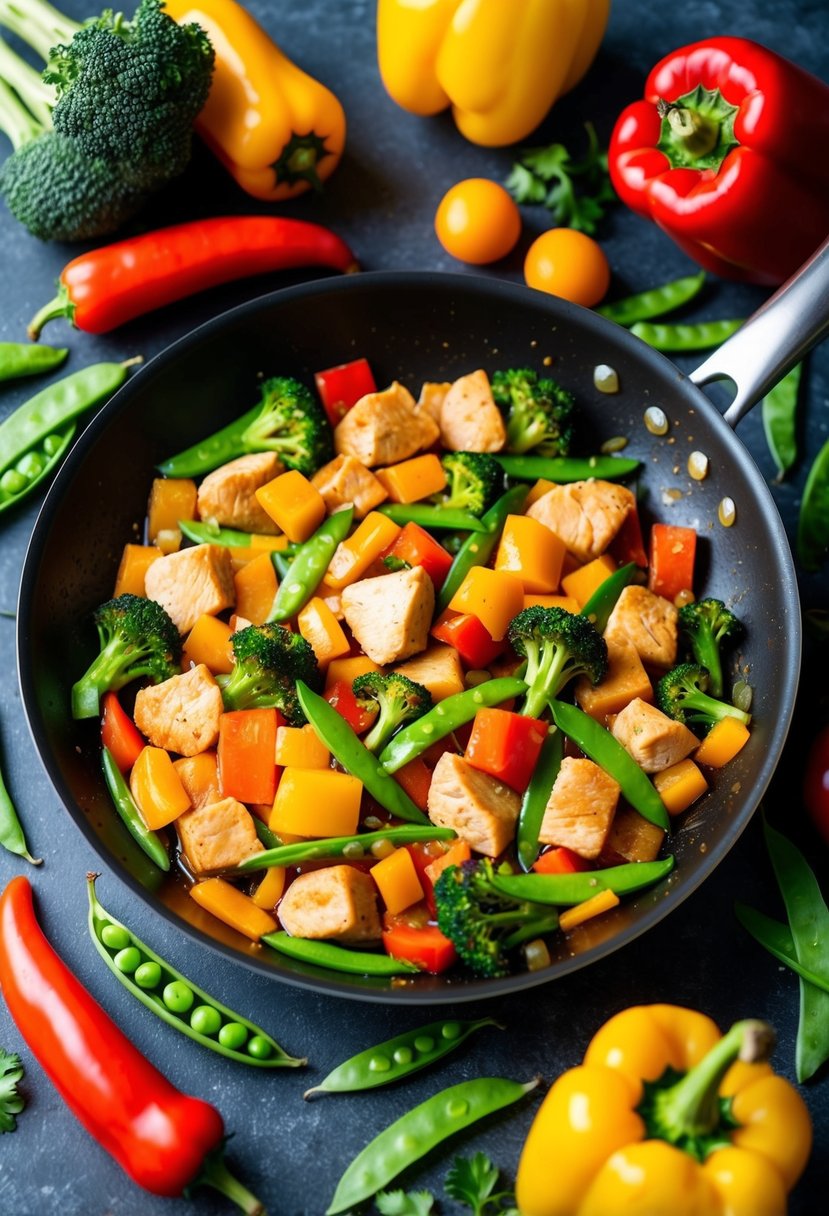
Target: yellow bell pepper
(620, 1133)
(500, 64)
(278, 131)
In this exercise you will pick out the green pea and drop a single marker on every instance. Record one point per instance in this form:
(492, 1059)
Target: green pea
(233, 1035)
(128, 959)
(30, 465)
(148, 975)
(403, 1055)
(13, 482)
(259, 1047)
(450, 1030)
(178, 997)
(424, 1043)
(379, 1063)
(205, 1020)
(115, 936)
(52, 444)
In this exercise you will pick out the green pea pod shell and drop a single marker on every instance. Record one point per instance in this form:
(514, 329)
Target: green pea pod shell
(51, 453)
(477, 548)
(813, 519)
(536, 795)
(428, 515)
(310, 563)
(675, 338)
(567, 890)
(603, 600)
(11, 830)
(655, 302)
(337, 958)
(567, 468)
(125, 805)
(339, 846)
(777, 938)
(19, 359)
(779, 412)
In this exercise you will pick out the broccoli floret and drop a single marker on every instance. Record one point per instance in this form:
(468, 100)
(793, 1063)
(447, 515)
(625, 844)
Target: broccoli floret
(474, 481)
(292, 423)
(137, 638)
(682, 694)
(708, 625)
(398, 699)
(268, 661)
(558, 646)
(538, 412)
(484, 924)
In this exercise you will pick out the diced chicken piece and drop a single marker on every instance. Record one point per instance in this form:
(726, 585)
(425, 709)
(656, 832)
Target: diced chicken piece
(585, 515)
(431, 398)
(482, 810)
(383, 428)
(199, 775)
(631, 838)
(580, 808)
(191, 583)
(438, 669)
(345, 480)
(181, 714)
(626, 679)
(217, 836)
(390, 615)
(337, 902)
(653, 739)
(228, 494)
(645, 619)
(470, 421)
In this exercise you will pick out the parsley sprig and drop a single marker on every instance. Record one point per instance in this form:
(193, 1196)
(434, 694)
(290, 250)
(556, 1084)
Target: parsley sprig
(472, 1181)
(11, 1102)
(576, 192)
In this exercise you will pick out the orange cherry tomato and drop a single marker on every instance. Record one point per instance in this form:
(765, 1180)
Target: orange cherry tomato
(477, 221)
(569, 264)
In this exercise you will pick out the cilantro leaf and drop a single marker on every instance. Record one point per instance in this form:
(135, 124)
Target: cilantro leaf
(576, 192)
(404, 1203)
(472, 1182)
(11, 1102)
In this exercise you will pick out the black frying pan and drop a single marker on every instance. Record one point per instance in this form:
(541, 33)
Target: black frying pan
(411, 327)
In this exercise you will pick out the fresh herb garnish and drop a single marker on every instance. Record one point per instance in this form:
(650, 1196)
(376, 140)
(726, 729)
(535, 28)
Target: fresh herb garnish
(472, 1182)
(576, 192)
(405, 1203)
(11, 1102)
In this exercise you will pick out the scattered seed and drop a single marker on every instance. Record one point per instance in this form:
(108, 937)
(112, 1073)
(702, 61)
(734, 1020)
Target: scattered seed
(684, 597)
(656, 420)
(742, 694)
(727, 512)
(698, 466)
(606, 379)
(615, 444)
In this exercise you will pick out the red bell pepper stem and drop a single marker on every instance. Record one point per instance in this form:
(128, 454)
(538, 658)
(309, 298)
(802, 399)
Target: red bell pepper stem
(165, 1140)
(107, 287)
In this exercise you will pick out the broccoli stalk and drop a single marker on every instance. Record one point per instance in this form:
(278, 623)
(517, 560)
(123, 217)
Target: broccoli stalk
(398, 700)
(558, 646)
(137, 638)
(474, 481)
(538, 412)
(708, 624)
(268, 661)
(482, 922)
(682, 694)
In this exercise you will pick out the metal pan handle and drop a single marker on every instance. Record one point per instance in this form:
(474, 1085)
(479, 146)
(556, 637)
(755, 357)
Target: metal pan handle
(774, 338)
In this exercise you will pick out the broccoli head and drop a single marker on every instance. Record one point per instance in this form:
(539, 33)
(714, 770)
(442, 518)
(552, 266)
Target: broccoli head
(558, 646)
(268, 661)
(137, 638)
(538, 412)
(292, 423)
(708, 625)
(682, 694)
(482, 922)
(398, 699)
(474, 481)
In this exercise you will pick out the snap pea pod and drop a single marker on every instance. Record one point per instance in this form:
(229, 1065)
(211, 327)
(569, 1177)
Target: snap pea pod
(337, 958)
(201, 533)
(700, 336)
(420, 1130)
(603, 600)
(567, 468)
(18, 481)
(269, 839)
(345, 746)
(534, 801)
(399, 1057)
(19, 359)
(446, 716)
(428, 515)
(608, 753)
(655, 302)
(175, 999)
(477, 548)
(570, 889)
(779, 411)
(311, 560)
(813, 518)
(777, 938)
(213, 450)
(11, 829)
(350, 847)
(281, 563)
(126, 807)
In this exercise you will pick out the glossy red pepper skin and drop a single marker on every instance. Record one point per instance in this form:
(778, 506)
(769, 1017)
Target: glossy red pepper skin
(342, 386)
(761, 214)
(119, 733)
(816, 782)
(107, 287)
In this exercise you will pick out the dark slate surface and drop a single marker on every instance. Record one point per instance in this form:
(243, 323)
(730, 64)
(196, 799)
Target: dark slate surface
(382, 199)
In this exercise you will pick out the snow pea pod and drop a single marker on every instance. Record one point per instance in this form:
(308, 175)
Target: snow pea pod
(175, 999)
(446, 716)
(350, 847)
(18, 481)
(608, 753)
(126, 807)
(477, 548)
(428, 515)
(700, 336)
(655, 302)
(19, 359)
(11, 830)
(603, 600)
(570, 889)
(420, 1130)
(311, 560)
(777, 938)
(210, 452)
(813, 518)
(201, 533)
(345, 746)
(399, 1057)
(567, 468)
(534, 801)
(337, 958)
(780, 420)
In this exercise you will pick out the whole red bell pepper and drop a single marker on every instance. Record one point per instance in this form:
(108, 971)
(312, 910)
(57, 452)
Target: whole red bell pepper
(726, 153)
(166, 1141)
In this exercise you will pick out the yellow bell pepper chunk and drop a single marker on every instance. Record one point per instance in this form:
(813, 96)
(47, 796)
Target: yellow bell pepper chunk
(721, 744)
(541, 487)
(348, 669)
(157, 788)
(135, 562)
(581, 583)
(680, 785)
(552, 601)
(300, 747)
(354, 556)
(316, 803)
(256, 587)
(602, 901)
(171, 499)
(397, 881)
(323, 632)
(493, 596)
(262, 542)
(269, 892)
(532, 552)
(208, 642)
(411, 480)
(227, 903)
(293, 504)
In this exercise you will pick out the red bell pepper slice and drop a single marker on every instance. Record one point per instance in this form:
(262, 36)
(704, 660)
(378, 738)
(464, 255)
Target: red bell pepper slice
(422, 856)
(415, 546)
(119, 733)
(415, 778)
(560, 861)
(506, 745)
(340, 696)
(247, 746)
(471, 639)
(342, 386)
(671, 560)
(423, 945)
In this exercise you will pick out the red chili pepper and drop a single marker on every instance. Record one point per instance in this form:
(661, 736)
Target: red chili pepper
(506, 745)
(166, 1141)
(816, 782)
(341, 387)
(119, 733)
(671, 566)
(723, 154)
(107, 287)
(415, 546)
